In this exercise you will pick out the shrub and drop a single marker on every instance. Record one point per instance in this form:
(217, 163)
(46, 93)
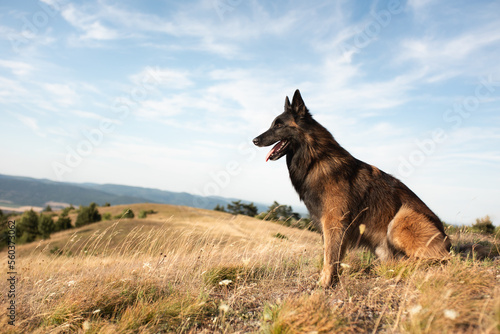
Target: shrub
(87, 215)
(106, 216)
(280, 236)
(483, 225)
(145, 213)
(127, 213)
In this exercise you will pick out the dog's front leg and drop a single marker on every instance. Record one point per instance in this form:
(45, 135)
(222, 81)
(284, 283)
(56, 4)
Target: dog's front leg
(334, 250)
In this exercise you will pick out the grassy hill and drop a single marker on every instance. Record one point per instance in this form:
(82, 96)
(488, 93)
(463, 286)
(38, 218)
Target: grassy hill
(186, 270)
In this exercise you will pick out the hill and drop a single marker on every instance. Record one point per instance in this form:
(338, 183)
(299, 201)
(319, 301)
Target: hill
(187, 270)
(18, 190)
(24, 191)
(167, 197)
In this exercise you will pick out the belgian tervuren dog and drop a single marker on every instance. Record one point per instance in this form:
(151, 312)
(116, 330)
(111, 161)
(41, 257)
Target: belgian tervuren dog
(352, 202)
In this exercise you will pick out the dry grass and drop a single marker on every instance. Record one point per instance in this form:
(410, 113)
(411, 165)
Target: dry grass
(185, 270)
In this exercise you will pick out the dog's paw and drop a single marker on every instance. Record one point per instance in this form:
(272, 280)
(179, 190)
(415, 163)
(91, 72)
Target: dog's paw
(327, 279)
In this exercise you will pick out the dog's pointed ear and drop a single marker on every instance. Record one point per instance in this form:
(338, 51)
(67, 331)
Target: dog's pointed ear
(287, 104)
(298, 105)
(297, 98)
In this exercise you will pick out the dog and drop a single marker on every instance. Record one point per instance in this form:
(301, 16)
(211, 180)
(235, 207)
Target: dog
(352, 202)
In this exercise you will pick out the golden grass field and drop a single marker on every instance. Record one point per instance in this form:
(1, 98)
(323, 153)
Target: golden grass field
(186, 270)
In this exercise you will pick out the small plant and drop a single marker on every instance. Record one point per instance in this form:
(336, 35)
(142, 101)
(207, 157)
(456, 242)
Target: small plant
(55, 251)
(145, 213)
(127, 213)
(228, 276)
(107, 216)
(280, 236)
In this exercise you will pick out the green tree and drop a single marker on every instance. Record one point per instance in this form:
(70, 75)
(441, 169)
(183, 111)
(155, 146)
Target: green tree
(28, 226)
(280, 212)
(239, 208)
(235, 208)
(219, 208)
(66, 210)
(250, 210)
(63, 222)
(45, 226)
(47, 209)
(87, 215)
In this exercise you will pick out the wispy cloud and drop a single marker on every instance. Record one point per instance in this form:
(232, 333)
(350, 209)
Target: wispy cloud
(88, 24)
(17, 67)
(62, 94)
(31, 123)
(163, 78)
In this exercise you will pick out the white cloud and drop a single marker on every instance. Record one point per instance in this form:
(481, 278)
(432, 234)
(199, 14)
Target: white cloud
(152, 77)
(97, 31)
(61, 93)
(419, 5)
(440, 51)
(90, 25)
(17, 67)
(30, 123)
(448, 51)
(161, 109)
(86, 114)
(189, 24)
(10, 90)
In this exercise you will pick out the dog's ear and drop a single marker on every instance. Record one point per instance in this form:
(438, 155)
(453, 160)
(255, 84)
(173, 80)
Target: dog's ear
(298, 106)
(287, 104)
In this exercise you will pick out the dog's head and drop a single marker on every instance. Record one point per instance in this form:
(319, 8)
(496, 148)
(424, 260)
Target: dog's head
(286, 129)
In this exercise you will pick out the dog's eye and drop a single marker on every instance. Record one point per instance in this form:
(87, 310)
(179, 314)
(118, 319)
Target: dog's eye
(278, 124)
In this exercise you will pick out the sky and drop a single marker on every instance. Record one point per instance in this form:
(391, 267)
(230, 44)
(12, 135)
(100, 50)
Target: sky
(169, 94)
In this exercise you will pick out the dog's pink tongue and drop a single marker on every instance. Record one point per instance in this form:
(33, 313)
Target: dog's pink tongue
(274, 149)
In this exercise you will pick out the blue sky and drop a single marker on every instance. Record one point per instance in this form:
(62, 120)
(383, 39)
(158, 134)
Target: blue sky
(169, 94)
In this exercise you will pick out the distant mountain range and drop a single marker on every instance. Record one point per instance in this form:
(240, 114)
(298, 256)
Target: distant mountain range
(17, 191)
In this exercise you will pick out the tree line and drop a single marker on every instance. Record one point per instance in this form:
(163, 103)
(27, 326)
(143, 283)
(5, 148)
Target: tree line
(282, 214)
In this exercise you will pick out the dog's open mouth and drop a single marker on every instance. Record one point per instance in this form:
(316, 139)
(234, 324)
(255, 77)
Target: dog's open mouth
(277, 151)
